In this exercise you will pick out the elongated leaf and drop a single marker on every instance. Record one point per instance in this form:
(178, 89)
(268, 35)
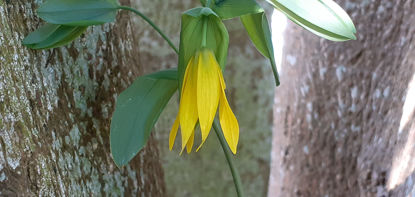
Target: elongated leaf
(227, 9)
(165, 74)
(40, 34)
(136, 111)
(260, 34)
(191, 37)
(324, 18)
(78, 12)
(52, 36)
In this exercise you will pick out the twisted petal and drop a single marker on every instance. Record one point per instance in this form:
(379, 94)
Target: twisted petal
(173, 132)
(228, 121)
(208, 89)
(188, 103)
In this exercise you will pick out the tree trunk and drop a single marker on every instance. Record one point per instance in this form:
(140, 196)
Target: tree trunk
(56, 106)
(344, 114)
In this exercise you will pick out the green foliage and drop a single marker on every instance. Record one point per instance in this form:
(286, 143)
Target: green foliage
(217, 38)
(78, 12)
(322, 17)
(139, 106)
(260, 34)
(136, 111)
(52, 36)
(227, 9)
(170, 74)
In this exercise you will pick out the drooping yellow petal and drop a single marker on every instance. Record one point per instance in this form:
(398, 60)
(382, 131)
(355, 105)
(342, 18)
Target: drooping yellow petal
(186, 73)
(190, 142)
(188, 103)
(222, 81)
(173, 132)
(228, 121)
(208, 89)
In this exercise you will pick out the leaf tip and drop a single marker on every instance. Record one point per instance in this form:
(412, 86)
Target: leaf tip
(277, 82)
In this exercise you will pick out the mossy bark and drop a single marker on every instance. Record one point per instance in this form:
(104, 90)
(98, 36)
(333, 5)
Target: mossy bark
(344, 114)
(56, 106)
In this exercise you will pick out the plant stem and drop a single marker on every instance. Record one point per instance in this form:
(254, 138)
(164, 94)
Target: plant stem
(204, 31)
(275, 72)
(208, 3)
(228, 155)
(152, 24)
(205, 21)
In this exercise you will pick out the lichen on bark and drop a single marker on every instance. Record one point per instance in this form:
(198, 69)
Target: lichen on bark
(55, 109)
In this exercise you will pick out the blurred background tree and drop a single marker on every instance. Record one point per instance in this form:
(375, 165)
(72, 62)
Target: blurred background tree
(344, 114)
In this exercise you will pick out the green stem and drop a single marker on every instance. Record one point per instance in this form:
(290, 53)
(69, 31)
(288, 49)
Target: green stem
(205, 21)
(274, 70)
(228, 155)
(208, 3)
(152, 24)
(204, 36)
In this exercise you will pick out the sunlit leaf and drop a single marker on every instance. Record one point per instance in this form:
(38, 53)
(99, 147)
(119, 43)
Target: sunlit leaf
(324, 18)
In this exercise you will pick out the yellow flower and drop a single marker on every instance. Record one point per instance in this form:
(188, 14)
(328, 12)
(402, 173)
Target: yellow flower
(203, 90)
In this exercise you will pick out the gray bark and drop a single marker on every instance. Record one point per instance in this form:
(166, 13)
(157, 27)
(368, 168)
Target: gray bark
(56, 106)
(341, 128)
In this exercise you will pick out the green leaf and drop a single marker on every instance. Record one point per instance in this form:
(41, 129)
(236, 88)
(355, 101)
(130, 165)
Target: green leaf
(40, 34)
(227, 9)
(191, 37)
(165, 74)
(324, 18)
(260, 34)
(52, 36)
(78, 12)
(137, 110)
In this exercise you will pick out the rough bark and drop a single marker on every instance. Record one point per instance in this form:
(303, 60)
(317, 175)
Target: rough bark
(341, 128)
(56, 106)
